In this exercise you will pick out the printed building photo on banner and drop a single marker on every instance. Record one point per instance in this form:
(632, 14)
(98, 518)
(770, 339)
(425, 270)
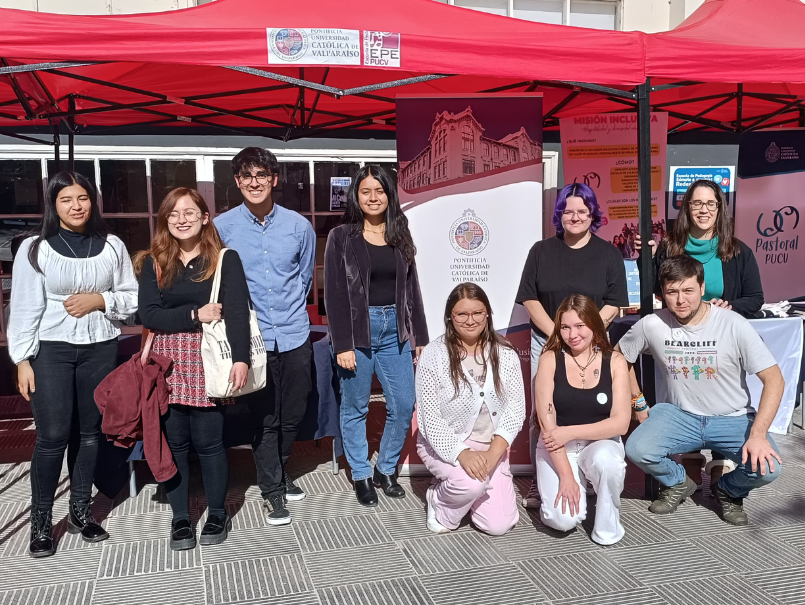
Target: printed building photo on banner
(470, 183)
(769, 209)
(601, 151)
(339, 186)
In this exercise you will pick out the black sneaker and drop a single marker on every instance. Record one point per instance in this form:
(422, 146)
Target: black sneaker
(276, 513)
(732, 509)
(671, 497)
(293, 493)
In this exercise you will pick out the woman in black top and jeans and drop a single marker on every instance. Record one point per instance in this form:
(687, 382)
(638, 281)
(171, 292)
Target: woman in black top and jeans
(583, 407)
(374, 312)
(174, 303)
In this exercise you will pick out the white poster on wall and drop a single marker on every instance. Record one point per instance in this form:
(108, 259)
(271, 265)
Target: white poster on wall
(313, 46)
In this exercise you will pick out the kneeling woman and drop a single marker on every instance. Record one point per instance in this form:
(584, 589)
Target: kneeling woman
(470, 407)
(186, 247)
(583, 405)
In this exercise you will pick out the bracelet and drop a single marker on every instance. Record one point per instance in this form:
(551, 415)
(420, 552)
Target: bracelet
(644, 408)
(636, 401)
(194, 317)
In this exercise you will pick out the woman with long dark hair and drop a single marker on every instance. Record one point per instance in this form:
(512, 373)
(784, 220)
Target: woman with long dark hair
(375, 317)
(470, 407)
(174, 303)
(72, 286)
(583, 408)
(705, 231)
(576, 261)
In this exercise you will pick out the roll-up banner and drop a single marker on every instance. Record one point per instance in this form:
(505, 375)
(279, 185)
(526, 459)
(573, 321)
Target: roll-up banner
(601, 151)
(470, 183)
(769, 208)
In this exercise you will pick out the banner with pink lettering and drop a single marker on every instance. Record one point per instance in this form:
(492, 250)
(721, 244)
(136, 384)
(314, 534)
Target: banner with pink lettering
(470, 183)
(601, 151)
(768, 205)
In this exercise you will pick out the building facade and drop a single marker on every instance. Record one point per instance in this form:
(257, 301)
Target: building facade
(457, 148)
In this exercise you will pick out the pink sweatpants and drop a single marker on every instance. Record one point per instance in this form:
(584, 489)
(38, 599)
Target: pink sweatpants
(492, 502)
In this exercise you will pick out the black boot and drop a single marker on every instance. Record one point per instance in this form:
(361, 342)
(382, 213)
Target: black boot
(82, 522)
(365, 492)
(391, 488)
(41, 540)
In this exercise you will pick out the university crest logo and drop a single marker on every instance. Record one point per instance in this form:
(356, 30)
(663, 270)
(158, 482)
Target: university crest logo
(469, 235)
(288, 44)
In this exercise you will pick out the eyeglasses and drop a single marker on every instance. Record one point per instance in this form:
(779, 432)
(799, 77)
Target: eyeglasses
(190, 216)
(462, 318)
(260, 177)
(697, 205)
(582, 214)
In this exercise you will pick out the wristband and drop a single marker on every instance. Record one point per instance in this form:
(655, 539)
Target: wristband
(644, 408)
(637, 401)
(194, 317)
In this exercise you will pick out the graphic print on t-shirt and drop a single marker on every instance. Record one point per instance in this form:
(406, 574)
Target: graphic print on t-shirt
(691, 359)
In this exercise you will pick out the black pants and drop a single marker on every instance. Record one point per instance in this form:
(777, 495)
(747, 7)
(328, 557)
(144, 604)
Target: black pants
(277, 415)
(204, 427)
(63, 405)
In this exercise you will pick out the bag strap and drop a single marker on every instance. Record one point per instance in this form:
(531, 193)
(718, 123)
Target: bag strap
(216, 282)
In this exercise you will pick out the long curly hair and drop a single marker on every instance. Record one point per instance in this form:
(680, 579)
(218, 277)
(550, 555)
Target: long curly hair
(677, 239)
(165, 249)
(489, 338)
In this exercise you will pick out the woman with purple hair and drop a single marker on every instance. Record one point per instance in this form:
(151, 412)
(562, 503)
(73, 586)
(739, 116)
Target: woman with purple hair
(575, 261)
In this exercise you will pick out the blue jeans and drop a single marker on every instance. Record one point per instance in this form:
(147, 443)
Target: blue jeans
(394, 366)
(670, 430)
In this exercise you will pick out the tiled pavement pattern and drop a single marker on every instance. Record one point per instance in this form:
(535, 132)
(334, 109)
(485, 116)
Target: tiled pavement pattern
(337, 552)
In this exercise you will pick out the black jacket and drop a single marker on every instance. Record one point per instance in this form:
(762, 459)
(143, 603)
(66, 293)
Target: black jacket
(742, 286)
(346, 293)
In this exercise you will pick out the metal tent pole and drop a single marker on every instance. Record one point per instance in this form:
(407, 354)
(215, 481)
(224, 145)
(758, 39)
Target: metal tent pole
(645, 222)
(71, 134)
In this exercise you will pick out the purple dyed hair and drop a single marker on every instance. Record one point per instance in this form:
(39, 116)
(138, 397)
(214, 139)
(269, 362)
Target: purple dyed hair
(588, 197)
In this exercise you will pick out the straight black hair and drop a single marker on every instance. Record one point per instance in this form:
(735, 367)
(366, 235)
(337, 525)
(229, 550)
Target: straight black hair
(50, 218)
(256, 157)
(397, 233)
(679, 268)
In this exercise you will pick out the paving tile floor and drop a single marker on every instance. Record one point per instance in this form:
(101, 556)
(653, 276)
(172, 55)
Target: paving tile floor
(337, 552)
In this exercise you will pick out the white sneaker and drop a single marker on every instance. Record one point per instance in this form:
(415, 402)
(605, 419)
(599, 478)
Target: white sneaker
(532, 499)
(433, 523)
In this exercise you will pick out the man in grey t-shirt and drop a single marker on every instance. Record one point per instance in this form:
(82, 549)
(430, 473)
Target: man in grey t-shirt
(706, 352)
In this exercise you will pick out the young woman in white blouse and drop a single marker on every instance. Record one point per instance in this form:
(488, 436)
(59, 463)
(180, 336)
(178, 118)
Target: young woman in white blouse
(71, 287)
(470, 407)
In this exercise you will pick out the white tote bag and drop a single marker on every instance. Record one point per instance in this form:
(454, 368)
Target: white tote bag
(216, 354)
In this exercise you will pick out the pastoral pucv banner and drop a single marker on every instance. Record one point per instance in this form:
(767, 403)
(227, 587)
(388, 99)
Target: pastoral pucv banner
(470, 183)
(771, 179)
(601, 151)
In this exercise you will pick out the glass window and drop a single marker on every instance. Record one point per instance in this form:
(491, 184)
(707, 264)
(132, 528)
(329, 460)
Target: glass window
(496, 7)
(468, 139)
(469, 166)
(167, 175)
(227, 194)
(544, 11)
(293, 187)
(21, 187)
(322, 173)
(123, 186)
(9, 230)
(85, 168)
(597, 15)
(134, 232)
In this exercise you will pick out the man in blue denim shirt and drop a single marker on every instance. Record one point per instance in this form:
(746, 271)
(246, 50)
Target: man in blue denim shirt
(278, 248)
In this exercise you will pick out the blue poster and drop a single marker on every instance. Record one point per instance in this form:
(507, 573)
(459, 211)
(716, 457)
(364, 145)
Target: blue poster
(683, 176)
(633, 282)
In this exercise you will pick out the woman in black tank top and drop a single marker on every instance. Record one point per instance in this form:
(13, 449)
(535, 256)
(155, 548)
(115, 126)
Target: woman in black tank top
(583, 407)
